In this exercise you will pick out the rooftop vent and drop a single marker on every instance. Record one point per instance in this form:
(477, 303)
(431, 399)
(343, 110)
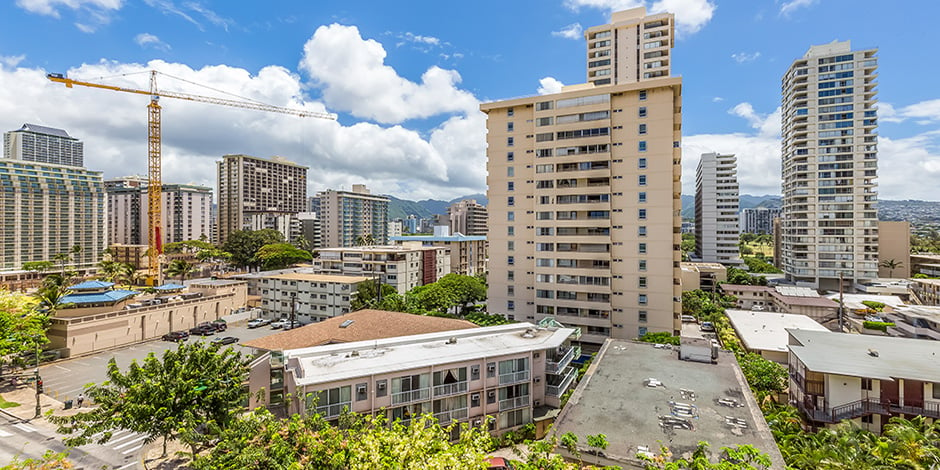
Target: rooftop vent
(529, 333)
(452, 340)
(873, 352)
(346, 323)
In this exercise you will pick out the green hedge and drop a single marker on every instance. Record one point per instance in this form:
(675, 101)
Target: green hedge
(877, 325)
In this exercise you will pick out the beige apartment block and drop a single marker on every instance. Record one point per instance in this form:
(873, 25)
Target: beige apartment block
(468, 254)
(894, 248)
(185, 211)
(468, 217)
(507, 372)
(257, 193)
(717, 231)
(310, 297)
(829, 218)
(348, 215)
(400, 267)
(634, 47)
(702, 276)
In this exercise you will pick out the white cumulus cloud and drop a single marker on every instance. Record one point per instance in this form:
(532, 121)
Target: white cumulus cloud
(549, 85)
(353, 77)
(151, 40)
(572, 31)
(691, 15)
(790, 6)
(742, 57)
(51, 7)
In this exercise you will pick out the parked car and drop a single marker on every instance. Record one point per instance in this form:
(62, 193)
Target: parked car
(498, 463)
(278, 324)
(177, 336)
(258, 322)
(707, 326)
(291, 325)
(688, 319)
(225, 340)
(220, 324)
(203, 329)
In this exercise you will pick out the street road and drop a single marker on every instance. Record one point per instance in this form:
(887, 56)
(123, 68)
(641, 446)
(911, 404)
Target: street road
(21, 439)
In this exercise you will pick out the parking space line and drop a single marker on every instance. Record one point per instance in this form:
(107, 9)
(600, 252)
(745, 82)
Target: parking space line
(124, 438)
(60, 367)
(24, 427)
(129, 443)
(128, 465)
(135, 449)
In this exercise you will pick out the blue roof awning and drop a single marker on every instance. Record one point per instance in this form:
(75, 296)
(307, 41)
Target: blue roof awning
(169, 286)
(92, 285)
(111, 296)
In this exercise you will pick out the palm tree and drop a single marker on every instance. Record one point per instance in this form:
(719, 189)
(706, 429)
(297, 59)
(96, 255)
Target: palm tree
(891, 265)
(365, 240)
(181, 268)
(62, 258)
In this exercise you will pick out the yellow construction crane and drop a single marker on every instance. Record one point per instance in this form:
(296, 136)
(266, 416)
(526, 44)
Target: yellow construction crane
(154, 190)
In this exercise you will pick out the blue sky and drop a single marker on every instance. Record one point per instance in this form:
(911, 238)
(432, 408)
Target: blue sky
(406, 79)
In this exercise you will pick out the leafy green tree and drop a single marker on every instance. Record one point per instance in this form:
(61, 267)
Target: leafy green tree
(188, 246)
(431, 298)
(740, 277)
(244, 244)
(486, 319)
(599, 443)
(367, 294)
(193, 393)
(49, 461)
(660, 337)
(281, 255)
(891, 265)
(181, 268)
(53, 289)
(763, 375)
(261, 440)
(38, 267)
(466, 290)
(743, 457)
(22, 326)
(365, 240)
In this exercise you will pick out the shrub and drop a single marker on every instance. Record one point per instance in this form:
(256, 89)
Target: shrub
(876, 306)
(877, 325)
(660, 337)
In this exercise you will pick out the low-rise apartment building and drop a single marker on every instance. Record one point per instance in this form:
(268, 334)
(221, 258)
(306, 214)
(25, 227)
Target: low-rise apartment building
(467, 253)
(401, 267)
(309, 297)
(865, 379)
(785, 299)
(927, 291)
(765, 333)
(704, 276)
(504, 371)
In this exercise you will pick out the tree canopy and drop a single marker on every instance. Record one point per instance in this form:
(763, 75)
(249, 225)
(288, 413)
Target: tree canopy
(192, 393)
(244, 244)
(22, 326)
(281, 255)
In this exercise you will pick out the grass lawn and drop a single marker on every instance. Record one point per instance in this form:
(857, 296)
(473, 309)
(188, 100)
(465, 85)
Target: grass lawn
(7, 404)
(767, 250)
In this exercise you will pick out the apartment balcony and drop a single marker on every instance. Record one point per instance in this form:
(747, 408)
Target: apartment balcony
(513, 403)
(555, 367)
(867, 407)
(446, 417)
(560, 388)
(420, 394)
(450, 389)
(333, 411)
(513, 378)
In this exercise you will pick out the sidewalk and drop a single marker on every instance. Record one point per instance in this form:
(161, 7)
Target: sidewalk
(25, 395)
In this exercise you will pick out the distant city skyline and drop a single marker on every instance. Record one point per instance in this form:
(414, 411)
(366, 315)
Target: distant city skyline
(409, 122)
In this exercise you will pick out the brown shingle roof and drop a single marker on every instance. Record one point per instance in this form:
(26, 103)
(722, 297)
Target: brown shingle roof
(366, 325)
(744, 288)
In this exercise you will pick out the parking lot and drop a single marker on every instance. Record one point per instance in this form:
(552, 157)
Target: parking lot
(65, 379)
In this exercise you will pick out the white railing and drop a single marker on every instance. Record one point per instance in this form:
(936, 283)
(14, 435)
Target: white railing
(411, 395)
(554, 367)
(558, 390)
(332, 411)
(514, 377)
(450, 389)
(512, 403)
(446, 417)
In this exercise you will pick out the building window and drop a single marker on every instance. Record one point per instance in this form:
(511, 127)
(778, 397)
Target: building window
(509, 127)
(544, 200)
(641, 316)
(381, 387)
(641, 180)
(510, 305)
(641, 299)
(642, 265)
(362, 391)
(510, 260)
(510, 186)
(642, 248)
(866, 385)
(510, 156)
(642, 146)
(510, 201)
(642, 95)
(510, 230)
(510, 112)
(641, 197)
(510, 216)
(641, 214)
(936, 390)
(510, 275)
(642, 114)
(510, 291)
(868, 419)
(510, 171)
(641, 230)
(642, 129)
(641, 163)
(510, 141)
(641, 282)
(511, 245)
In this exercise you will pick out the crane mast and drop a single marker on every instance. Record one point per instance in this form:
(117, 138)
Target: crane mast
(154, 140)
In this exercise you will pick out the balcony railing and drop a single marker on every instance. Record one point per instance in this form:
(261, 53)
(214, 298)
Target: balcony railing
(555, 367)
(332, 411)
(513, 403)
(445, 417)
(411, 395)
(514, 377)
(561, 387)
(866, 407)
(450, 389)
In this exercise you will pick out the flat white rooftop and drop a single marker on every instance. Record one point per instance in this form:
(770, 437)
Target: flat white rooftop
(854, 301)
(767, 331)
(330, 363)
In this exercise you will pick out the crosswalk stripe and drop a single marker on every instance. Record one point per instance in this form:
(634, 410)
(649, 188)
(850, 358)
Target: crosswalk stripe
(135, 449)
(24, 427)
(4, 433)
(122, 438)
(128, 465)
(128, 443)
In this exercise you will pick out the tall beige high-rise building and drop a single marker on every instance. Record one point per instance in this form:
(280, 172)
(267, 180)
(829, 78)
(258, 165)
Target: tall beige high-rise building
(829, 219)
(634, 47)
(716, 209)
(468, 217)
(348, 215)
(584, 197)
(257, 193)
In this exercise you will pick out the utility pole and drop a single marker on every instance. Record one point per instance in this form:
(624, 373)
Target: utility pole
(841, 288)
(293, 308)
(38, 384)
